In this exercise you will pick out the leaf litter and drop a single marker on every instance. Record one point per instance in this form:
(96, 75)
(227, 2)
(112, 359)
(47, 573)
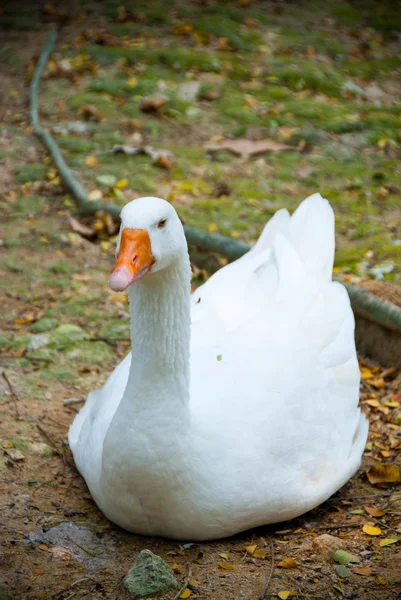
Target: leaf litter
(45, 490)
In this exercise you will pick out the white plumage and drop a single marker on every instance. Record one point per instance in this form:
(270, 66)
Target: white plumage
(260, 423)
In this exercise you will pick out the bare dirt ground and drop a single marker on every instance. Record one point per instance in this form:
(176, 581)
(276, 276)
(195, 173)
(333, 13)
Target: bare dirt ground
(55, 543)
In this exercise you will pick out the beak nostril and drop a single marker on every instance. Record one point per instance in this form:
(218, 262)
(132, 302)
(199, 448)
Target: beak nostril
(135, 259)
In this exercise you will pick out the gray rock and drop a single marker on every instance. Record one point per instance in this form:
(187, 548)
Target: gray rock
(149, 575)
(78, 542)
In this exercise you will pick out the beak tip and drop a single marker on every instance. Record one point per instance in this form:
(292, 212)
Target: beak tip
(120, 279)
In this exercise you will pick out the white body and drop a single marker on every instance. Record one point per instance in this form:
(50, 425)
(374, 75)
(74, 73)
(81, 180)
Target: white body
(261, 423)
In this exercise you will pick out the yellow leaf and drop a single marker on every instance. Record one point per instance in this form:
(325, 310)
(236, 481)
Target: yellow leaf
(176, 568)
(43, 547)
(288, 563)
(105, 245)
(11, 445)
(388, 473)
(186, 593)
(284, 594)
(379, 579)
(374, 403)
(366, 373)
(224, 555)
(259, 554)
(91, 161)
(370, 530)
(121, 184)
(132, 81)
(212, 228)
(388, 542)
(226, 566)
(251, 549)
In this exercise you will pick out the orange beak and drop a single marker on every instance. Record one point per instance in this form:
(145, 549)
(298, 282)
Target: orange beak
(134, 259)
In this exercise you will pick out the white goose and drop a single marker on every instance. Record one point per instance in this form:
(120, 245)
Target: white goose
(239, 404)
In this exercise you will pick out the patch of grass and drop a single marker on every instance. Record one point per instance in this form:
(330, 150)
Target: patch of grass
(305, 75)
(78, 101)
(294, 39)
(346, 14)
(29, 172)
(223, 27)
(178, 59)
(371, 69)
(60, 373)
(63, 267)
(74, 144)
(29, 204)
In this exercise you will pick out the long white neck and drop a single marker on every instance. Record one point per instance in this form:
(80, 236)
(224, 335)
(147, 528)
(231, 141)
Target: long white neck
(160, 332)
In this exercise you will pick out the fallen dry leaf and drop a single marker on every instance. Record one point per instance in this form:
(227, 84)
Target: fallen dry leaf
(371, 530)
(244, 147)
(14, 454)
(374, 512)
(90, 112)
(388, 473)
(186, 593)
(225, 565)
(284, 594)
(389, 542)
(288, 563)
(91, 161)
(80, 228)
(152, 105)
(251, 549)
(366, 571)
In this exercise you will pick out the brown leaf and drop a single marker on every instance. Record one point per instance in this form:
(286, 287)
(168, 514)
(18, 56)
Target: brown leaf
(288, 563)
(163, 161)
(90, 112)
(81, 228)
(388, 473)
(363, 571)
(226, 566)
(374, 512)
(152, 105)
(14, 454)
(245, 147)
(91, 161)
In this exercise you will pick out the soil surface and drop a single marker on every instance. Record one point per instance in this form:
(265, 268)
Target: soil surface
(63, 330)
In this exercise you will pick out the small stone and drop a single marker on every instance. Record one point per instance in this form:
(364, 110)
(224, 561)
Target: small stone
(149, 575)
(40, 448)
(38, 341)
(188, 91)
(327, 544)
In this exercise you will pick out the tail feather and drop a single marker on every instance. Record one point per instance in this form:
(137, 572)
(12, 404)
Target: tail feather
(312, 233)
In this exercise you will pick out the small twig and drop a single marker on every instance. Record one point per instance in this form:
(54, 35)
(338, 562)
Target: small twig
(270, 574)
(384, 495)
(14, 395)
(70, 401)
(70, 586)
(54, 445)
(184, 587)
(338, 526)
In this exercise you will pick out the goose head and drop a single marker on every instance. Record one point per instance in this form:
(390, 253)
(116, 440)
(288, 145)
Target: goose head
(151, 238)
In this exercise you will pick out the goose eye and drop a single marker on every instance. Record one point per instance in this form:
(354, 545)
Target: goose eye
(161, 223)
